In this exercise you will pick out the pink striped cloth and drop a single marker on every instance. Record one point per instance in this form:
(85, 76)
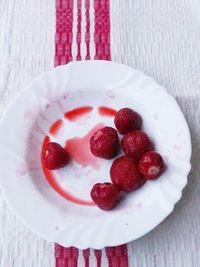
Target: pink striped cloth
(83, 33)
(78, 38)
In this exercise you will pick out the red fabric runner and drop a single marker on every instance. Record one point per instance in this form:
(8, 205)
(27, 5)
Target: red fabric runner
(64, 41)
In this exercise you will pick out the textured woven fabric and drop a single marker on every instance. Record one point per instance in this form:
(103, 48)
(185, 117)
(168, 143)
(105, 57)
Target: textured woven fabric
(68, 14)
(82, 27)
(26, 50)
(160, 37)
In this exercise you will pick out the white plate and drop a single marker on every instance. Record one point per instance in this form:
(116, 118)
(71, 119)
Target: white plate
(46, 99)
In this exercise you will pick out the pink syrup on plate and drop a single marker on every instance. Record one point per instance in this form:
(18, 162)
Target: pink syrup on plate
(106, 111)
(52, 181)
(55, 127)
(78, 147)
(76, 113)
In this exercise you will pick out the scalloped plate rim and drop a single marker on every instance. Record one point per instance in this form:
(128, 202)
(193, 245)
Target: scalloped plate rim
(6, 194)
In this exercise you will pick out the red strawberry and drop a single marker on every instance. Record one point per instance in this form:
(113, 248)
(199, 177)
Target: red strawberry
(136, 143)
(125, 174)
(151, 165)
(105, 143)
(54, 156)
(105, 195)
(127, 120)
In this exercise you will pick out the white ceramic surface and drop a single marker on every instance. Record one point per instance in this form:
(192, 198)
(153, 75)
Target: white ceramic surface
(27, 121)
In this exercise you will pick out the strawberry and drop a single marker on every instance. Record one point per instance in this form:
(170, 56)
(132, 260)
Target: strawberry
(54, 156)
(105, 195)
(151, 165)
(136, 143)
(105, 143)
(127, 120)
(125, 174)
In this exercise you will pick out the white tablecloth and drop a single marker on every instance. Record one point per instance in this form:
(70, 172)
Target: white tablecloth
(160, 37)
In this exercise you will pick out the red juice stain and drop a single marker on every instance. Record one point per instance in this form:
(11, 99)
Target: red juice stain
(55, 127)
(79, 148)
(106, 111)
(52, 181)
(45, 142)
(76, 113)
